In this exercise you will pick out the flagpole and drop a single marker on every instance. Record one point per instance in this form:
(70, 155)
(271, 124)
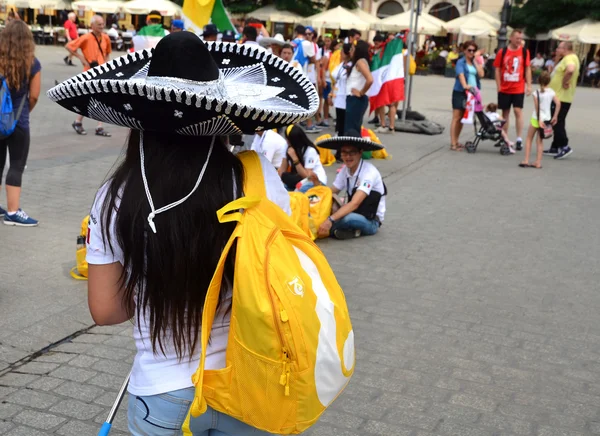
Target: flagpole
(410, 50)
(410, 78)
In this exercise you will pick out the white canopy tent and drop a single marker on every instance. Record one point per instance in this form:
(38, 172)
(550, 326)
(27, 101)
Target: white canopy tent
(586, 31)
(478, 23)
(99, 6)
(428, 24)
(42, 4)
(337, 18)
(365, 16)
(144, 7)
(270, 13)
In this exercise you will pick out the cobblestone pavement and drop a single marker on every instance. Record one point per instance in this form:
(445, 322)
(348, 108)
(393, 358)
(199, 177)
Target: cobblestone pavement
(475, 308)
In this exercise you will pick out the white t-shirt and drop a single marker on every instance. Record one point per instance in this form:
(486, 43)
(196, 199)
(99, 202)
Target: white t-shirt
(493, 116)
(366, 179)
(593, 68)
(549, 63)
(340, 75)
(155, 374)
(112, 32)
(312, 161)
(272, 146)
(312, 68)
(537, 62)
(545, 104)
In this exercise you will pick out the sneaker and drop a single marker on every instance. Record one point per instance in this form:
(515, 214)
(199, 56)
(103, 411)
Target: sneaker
(346, 234)
(66, 59)
(20, 218)
(313, 129)
(382, 129)
(323, 124)
(551, 152)
(564, 152)
(374, 120)
(2, 212)
(78, 127)
(519, 145)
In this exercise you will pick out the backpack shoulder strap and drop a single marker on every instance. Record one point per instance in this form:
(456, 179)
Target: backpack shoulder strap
(503, 53)
(254, 181)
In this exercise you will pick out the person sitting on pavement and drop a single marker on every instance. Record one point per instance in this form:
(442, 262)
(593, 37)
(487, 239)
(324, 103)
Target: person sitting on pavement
(304, 162)
(363, 211)
(145, 264)
(272, 146)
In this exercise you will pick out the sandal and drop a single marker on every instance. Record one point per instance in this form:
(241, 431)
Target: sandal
(525, 165)
(101, 132)
(79, 128)
(457, 147)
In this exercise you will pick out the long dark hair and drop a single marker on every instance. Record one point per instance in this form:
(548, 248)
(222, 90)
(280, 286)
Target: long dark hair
(299, 142)
(361, 51)
(167, 274)
(17, 50)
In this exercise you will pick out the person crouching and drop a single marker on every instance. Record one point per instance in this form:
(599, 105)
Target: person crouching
(363, 211)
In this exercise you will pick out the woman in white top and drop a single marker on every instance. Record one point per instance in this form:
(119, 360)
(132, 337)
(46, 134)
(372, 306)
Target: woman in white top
(154, 266)
(338, 97)
(359, 82)
(304, 161)
(542, 114)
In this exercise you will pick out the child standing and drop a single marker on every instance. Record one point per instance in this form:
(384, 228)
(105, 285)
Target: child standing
(542, 114)
(491, 111)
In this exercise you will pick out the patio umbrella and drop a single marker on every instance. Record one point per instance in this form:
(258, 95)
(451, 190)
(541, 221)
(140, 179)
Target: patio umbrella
(42, 4)
(586, 31)
(428, 24)
(270, 13)
(337, 18)
(99, 6)
(144, 7)
(365, 16)
(477, 23)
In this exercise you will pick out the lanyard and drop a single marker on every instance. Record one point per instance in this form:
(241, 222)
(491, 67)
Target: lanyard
(351, 194)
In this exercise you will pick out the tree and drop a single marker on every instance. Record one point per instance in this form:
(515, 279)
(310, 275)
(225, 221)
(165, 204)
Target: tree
(348, 4)
(301, 7)
(540, 16)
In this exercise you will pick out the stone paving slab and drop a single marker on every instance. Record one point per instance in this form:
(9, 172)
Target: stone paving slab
(475, 308)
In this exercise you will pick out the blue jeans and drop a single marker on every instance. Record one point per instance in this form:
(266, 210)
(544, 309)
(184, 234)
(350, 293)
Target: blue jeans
(355, 112)
(164, 414)
(354, 221)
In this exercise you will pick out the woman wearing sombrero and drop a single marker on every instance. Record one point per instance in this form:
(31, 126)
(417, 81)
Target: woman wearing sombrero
(154, 238)
(364, 209)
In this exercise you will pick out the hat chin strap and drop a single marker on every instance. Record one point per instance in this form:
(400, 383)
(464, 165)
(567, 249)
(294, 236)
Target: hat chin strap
(154, 212)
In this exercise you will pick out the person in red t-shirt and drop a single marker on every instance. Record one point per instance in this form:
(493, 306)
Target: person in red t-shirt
(513, 71)
(71, 34)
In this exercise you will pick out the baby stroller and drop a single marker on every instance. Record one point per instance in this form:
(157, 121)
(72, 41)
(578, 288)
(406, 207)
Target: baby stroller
(488, 130)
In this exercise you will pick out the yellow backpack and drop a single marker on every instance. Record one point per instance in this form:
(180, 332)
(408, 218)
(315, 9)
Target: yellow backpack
(290, 351)
(326, 156)
(320, 200)
(300, 206)
(80, 272)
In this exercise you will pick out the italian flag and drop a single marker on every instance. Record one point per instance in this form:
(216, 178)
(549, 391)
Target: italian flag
(387, 68)
(199, 13)
(149, 36)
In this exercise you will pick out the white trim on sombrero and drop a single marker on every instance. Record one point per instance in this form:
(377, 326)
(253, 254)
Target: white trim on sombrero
(349, 140)
(280, 111)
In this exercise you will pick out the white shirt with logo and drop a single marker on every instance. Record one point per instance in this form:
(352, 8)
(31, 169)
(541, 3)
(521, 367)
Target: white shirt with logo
(272, 146)
(159, 373)
(367, 178)
(312, 161)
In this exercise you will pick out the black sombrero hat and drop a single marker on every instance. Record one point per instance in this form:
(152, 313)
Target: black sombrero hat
(353, 139)
(192, 88)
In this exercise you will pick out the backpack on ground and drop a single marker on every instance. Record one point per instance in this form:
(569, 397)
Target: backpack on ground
(290, 351)
(8, 117)
(320, 200)
(80, 271)
(300, 206)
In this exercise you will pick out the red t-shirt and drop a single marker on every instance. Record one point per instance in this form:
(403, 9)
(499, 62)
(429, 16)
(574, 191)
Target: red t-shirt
(71, 27)
(512, 73)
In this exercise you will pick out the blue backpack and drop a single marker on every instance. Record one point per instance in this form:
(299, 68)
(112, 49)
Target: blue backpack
(8, 118)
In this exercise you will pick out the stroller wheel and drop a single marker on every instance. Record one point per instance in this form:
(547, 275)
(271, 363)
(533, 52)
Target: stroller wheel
(504, 150)
(470, 147)
(499, 144)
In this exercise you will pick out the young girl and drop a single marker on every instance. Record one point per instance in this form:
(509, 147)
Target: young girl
(542, 101)
(304, 160)
(491, 111)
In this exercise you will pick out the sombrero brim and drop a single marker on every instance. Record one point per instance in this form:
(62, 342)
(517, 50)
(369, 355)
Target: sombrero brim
(337, 142)
(256, 91)
(267, 41)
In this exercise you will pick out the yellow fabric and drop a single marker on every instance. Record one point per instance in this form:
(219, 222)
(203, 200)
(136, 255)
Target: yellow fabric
(326, 156)
(290, 350)
(413, 66)
(451, 56)
(378, 154)
(565, 95)
(288, 129)
(321, 200)
(300, 206)
(198, 11)
(80, 272)
(334, 60)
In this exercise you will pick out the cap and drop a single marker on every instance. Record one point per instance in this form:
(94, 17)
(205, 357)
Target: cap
(310, 28)
(177, 24)
(210, 29)
(228, 36)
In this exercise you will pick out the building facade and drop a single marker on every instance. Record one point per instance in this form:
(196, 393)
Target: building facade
(445, 10)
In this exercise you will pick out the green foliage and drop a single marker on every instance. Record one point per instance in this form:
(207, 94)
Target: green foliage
(243, 6)
(348, 4)
(539, 16)
(301, 7)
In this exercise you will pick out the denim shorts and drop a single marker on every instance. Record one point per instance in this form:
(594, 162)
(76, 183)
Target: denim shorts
(164, 414)
(459, 100)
